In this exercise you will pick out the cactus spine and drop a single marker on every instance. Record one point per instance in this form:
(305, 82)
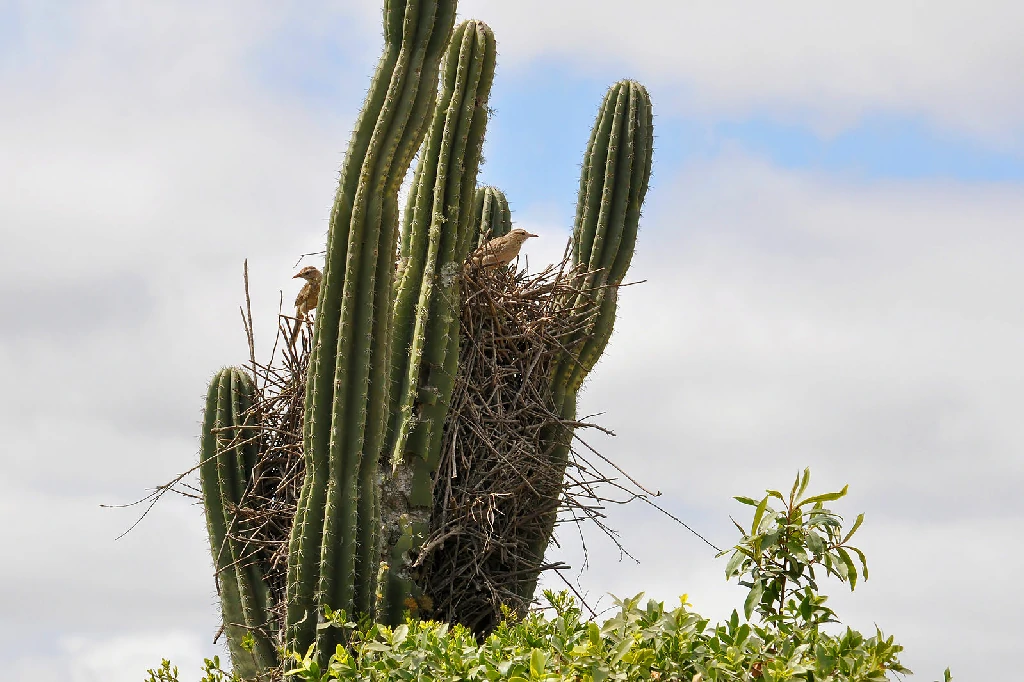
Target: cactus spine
(438, 234)
(491, 214)
(227, 459)
(334, 546)
(613, 183)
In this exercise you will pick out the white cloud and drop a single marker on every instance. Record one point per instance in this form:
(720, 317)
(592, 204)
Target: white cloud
(144, 160)
(871, 332)
(828, 65)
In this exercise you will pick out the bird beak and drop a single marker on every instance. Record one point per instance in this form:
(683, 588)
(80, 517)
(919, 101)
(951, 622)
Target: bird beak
(297, 276)
(532, 235)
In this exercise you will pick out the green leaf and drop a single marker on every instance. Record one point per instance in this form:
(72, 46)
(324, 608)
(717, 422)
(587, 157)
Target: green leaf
(537, 661)
(746, 500)
(804, 482)
(594, 632)
(863, 561)
(758, 513)
(753, 599)
(734, 564)
(856, 525)
(814, 543)
(825, 497)
(851, 570)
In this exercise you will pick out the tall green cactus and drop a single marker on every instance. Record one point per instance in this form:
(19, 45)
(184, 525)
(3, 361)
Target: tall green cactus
(491, 214)
(228, 456)
(334, 546)
(613, 183)
(437, 238)
(386, 339)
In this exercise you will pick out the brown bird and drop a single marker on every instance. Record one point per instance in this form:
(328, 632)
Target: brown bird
(307, 299)
(501, 250)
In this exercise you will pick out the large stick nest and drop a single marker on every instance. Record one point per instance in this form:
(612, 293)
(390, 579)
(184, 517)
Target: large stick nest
(498, 485)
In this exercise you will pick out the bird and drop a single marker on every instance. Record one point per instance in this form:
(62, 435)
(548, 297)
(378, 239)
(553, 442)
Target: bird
(501, 250)
(307, 299)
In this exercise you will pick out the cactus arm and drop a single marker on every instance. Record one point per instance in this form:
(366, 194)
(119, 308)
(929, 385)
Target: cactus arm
(437, 243)
(491, 214)
(426, 322)
(228, 451)
(613, 183)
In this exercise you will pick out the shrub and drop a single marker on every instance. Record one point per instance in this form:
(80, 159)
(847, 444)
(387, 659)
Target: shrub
(786, 631)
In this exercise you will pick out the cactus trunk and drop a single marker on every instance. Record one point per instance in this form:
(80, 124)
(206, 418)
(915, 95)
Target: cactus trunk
(334, 547)
(228, 456)
(437, 236)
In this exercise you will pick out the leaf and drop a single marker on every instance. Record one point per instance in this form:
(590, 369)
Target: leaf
(863, 561)
(814, 543)
(856, 525)
(851, 570)
(594, 633)
(753, 599)
(732, 568)
(758, 513)
(825, 497)
(621, 649)
(537, 661)
(804, 482)
(746, 500)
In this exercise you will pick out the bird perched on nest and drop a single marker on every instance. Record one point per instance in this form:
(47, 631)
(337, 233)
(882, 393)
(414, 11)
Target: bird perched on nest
(307, 299)
(501, 250)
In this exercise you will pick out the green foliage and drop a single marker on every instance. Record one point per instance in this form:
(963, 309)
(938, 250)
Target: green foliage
(788, 640)
(777, 557)
(212, 672)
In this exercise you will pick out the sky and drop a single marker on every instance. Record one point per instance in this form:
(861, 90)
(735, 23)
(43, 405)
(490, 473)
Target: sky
(830, 250)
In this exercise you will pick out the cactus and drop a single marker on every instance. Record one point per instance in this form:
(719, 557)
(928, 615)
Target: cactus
(491, 214)
(227, 460)
(613, 182)
(437, 236)
(334, 547)
(385, 343)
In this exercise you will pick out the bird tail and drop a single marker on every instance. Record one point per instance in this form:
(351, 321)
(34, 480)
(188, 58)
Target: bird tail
(296, 329)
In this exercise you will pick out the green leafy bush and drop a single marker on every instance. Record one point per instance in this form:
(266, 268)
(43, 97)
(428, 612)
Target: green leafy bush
(786, 632)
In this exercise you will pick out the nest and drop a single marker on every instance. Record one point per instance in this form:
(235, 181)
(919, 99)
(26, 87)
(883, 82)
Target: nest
(498, 487)
(264, 515)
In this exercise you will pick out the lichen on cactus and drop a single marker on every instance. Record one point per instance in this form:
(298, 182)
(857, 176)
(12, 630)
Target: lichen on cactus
(334, 547)
(438, 235)
(228, 455)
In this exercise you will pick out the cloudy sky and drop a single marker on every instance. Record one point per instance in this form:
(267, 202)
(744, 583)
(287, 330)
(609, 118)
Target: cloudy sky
(831, 247)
